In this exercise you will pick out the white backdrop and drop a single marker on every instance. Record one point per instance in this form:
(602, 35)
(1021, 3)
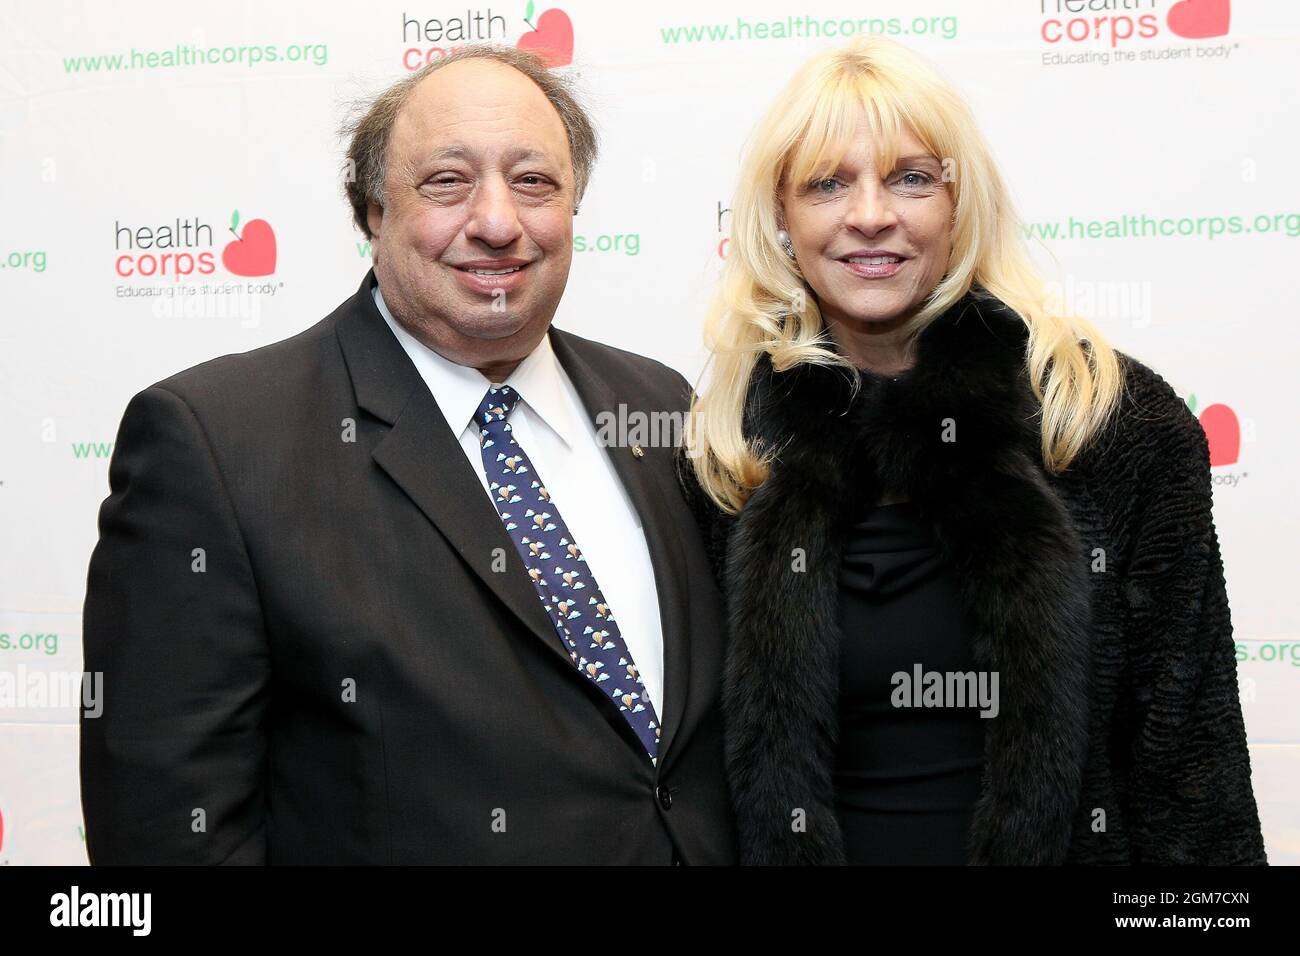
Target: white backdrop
(1152, 154)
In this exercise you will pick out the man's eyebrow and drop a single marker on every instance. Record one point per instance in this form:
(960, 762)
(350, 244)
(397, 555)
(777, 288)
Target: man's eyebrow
(516, 155)
(449, 152)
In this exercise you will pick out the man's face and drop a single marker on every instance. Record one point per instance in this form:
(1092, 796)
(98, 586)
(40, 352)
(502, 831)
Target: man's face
(836, 222)
(479, 180)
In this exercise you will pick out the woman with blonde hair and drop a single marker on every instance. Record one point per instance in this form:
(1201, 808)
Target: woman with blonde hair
(975, 599)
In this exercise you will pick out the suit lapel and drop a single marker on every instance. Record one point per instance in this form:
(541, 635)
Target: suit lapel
(420, 453)
(644, 480)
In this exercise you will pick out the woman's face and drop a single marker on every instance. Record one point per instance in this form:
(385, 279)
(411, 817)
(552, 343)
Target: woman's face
(838, 223)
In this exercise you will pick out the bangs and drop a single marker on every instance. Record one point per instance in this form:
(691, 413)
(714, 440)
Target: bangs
(843, 105)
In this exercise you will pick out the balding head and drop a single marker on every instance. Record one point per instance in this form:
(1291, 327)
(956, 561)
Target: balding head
(473, 238)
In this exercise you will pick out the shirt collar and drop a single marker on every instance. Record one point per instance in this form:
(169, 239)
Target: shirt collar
(459, 389)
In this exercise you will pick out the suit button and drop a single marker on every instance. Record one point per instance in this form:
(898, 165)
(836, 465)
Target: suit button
(665, 796)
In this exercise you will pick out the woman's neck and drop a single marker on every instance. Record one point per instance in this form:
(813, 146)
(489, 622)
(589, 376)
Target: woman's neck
(878, 347)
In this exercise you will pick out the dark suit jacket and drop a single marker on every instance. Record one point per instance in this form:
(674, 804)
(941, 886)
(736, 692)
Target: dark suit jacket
(307, 656)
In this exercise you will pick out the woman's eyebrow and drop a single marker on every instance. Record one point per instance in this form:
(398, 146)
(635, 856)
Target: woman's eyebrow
(919, 159)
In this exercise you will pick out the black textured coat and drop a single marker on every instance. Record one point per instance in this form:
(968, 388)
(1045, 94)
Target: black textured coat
(1098, 596)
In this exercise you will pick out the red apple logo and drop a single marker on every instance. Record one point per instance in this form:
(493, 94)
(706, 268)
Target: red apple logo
(551, 38)
(1198, 19)
(253, 253)
(1222, 431)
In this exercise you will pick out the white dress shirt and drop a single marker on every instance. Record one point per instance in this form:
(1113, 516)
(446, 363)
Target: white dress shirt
(558, 434)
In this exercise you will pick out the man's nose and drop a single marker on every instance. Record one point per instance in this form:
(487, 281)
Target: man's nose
(870, 208)
(493, 218)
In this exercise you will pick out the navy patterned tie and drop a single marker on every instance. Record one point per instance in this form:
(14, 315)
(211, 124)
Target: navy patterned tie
(566, 586)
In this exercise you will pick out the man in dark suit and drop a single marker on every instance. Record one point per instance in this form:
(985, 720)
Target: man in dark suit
(383, 592)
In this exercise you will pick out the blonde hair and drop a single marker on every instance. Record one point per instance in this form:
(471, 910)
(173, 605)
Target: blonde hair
(763, 305)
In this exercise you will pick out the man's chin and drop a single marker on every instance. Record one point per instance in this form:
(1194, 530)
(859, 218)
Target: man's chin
(490, 326)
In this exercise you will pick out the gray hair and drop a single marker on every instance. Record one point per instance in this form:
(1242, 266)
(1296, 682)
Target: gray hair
(370, 130)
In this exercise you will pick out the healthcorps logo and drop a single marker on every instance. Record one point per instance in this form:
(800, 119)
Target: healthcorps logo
(169, 261)
(1224, 432)
(1066, 23)
(252, 252)
(185, 247)
(724, 240)
(549, 35)
(4, 860)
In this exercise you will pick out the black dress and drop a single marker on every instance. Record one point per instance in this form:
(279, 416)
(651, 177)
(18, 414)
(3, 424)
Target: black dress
(906, 778)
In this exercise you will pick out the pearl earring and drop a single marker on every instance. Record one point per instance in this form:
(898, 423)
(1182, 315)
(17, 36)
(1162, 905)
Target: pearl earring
(783, 237)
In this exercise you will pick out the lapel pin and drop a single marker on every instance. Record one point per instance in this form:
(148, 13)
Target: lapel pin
(638, 451)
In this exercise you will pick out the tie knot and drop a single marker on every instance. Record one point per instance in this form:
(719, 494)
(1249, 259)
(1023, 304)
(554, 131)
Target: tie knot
(497, 404)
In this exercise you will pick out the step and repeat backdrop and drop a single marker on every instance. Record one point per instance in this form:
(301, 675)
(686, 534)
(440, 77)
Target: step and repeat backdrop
(171, 191)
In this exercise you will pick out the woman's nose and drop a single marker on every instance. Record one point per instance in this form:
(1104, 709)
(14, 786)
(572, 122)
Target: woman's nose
(871, 208)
